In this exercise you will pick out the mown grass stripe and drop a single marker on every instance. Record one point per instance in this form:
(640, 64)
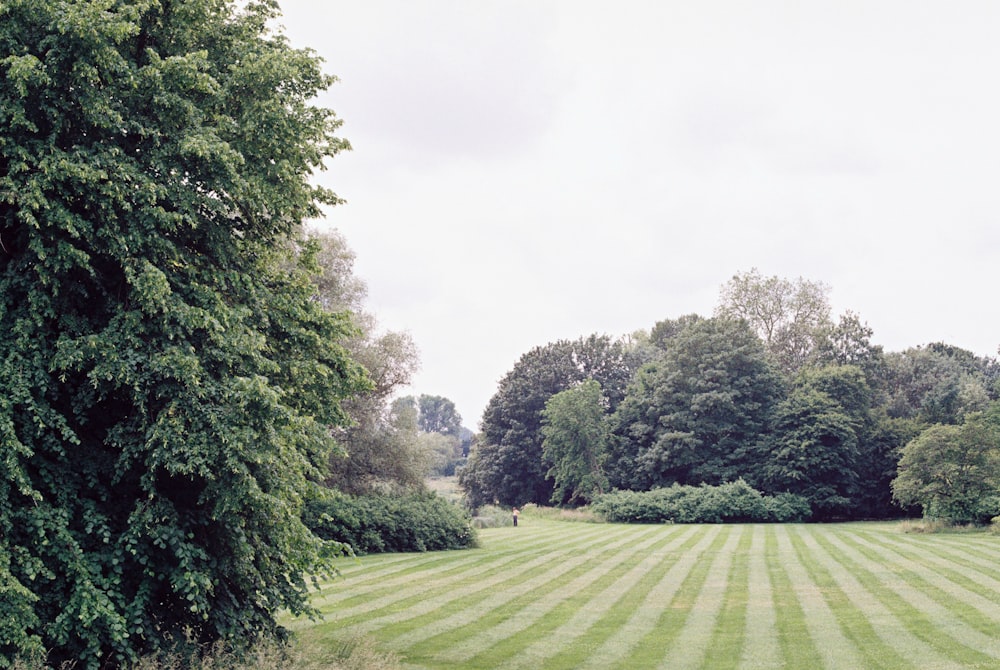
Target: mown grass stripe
(728, 639)
(853, 621)
(761, 648)
(431, 619)
(732, 599)
(703, 610)
(543, 612)
(479, 637)
(798, 650)
(577, 615)
(482, 568)
(652, 649)
(835, 650)
(617, 649)
(862, 588)
(913, 610)
(365, 593)
(949, 601)
(610, 623)
(976, 577)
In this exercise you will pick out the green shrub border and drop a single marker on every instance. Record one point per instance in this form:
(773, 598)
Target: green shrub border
(385, 523)
(733, 502)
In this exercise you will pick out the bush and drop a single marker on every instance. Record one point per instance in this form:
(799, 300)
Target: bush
(733, 502)
(382, 523)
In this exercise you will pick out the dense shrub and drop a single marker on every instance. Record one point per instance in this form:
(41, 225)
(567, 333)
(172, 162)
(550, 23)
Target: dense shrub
(733, 502)
(382, 523)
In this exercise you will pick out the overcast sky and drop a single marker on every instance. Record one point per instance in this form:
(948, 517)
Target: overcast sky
(528, 171)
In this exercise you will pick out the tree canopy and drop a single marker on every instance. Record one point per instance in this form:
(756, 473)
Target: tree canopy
(953, 471)
(507, 465)
(168, 379)
(575, 431)
(695, 414)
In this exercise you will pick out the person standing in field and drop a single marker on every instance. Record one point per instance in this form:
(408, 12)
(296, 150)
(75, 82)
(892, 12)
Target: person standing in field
(515, 516)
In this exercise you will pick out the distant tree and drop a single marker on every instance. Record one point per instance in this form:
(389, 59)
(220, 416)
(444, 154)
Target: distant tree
(832, 443)
(384, 452)
(506, 464)
(438, 415)
(953, 471)
(665, 331)
(382, 447)
(787, 315)
(813, 452)
(939, 383)
(696, 414)
(168, 379)
(575, 430)
(848, 342)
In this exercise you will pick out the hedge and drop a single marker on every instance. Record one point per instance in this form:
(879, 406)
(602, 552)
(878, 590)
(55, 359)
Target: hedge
(382, 523)
(734, 502)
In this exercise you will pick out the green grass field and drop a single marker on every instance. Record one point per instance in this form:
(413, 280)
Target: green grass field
(553, 594)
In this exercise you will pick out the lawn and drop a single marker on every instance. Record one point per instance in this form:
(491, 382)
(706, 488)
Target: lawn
(556, 594)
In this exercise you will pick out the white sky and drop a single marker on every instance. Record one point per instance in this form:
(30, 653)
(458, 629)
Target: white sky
(527, 171)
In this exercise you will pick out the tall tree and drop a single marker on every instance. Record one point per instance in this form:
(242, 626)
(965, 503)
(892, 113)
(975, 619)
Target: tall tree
(576, 433)
(382, 446)
(788, 316)
(506, 465)
(696, 414)
(848, 342)
(168, 380)
(813, 452)
(439, 415)
(953, 471)
(939, 383)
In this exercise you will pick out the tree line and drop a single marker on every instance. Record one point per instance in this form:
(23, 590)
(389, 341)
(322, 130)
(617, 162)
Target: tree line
(769, 389)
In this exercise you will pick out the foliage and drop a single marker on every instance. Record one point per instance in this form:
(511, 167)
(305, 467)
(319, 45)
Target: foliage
(813, 452)
(848, 342)
(506, 465)
(575, 430)
(441, 436)
(384, 454)
(438, 415)
(384, 523)
(953, 472)
(939, 383)
(359, 653)
(789, 316)
(168, 380)
(733, 502)
(570, 514)
(381, 444)
(696, 414)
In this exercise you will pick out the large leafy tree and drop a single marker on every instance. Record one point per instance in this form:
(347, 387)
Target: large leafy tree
(575, 430)
(167, 379)
(382, 446)
(697, 413)
(813, 452)
(953, 471)
(939, 383)
(506, 465)
(789, 316)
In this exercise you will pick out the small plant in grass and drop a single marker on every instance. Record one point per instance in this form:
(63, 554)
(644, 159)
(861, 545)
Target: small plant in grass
(929, 526)
(356, 653)
(584, 514)
(492, 516)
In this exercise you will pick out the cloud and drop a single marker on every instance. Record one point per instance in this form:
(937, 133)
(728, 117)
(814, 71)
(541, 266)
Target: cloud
(529, 171)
